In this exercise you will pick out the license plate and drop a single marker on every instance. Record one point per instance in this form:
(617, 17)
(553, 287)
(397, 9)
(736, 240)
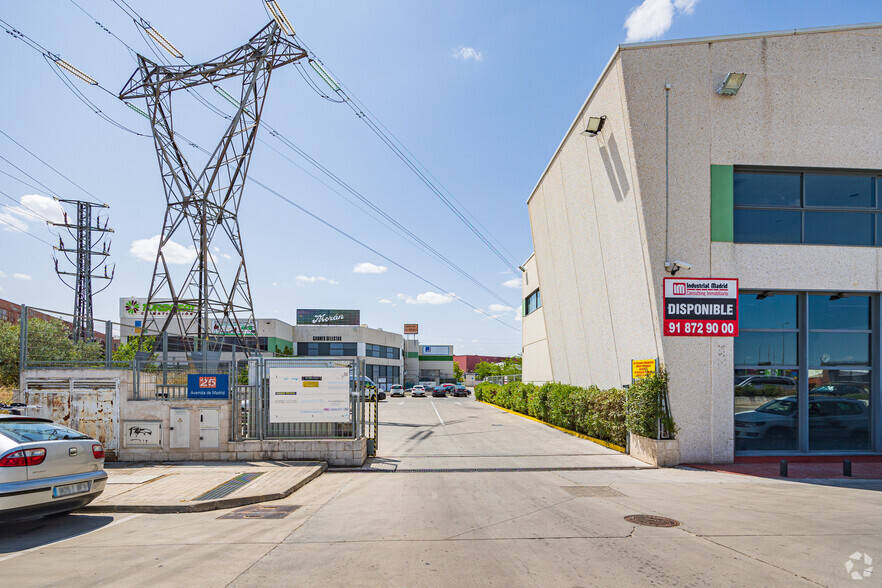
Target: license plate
(71, 489)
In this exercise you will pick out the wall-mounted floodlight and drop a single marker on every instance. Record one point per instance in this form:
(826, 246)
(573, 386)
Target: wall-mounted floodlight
(763, 295)
(595, 123)
(837, 296)
(731, 84)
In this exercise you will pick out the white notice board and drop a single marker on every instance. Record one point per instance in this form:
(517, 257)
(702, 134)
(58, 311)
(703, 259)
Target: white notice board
(309, 395)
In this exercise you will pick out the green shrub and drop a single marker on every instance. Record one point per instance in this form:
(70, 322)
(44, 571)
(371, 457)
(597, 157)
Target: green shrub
(645, 404)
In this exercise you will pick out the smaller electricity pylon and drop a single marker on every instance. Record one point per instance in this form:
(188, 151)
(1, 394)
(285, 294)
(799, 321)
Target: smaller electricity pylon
(83, 232)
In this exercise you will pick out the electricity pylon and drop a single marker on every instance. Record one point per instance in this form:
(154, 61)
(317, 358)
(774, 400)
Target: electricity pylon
(201, 302)
(82, 232)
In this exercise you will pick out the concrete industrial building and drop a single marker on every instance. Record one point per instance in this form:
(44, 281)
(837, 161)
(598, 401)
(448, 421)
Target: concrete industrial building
(326, 333)
(776, 184)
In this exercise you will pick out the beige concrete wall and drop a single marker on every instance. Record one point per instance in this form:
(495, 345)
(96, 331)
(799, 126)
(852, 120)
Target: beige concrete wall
(536, 365)
(793, 83)
(587, 234)
(598, 214)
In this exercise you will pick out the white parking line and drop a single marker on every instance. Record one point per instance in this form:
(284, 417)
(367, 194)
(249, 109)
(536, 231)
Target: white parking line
(436, 413)
(116, 522)
(459, 403)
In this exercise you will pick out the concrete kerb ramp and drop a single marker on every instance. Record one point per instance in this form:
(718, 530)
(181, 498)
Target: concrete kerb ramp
(200, 486)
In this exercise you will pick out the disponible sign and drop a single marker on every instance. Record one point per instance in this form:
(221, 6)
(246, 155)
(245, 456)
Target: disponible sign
(701, 307)
(208, 386)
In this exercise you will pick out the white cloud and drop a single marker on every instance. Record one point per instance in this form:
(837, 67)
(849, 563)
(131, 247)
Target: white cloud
(33, 209)
(314, 279)
(432, 298)
(385, 301)
(224, 255)
(499, 308)
(401, 296)
(369, 268)
(512, 283)
(275, 284)
(653, 18)
(2, 275)
(467, 53)
(518, 318)
(474, 341)
(175, 253)
(22, 277)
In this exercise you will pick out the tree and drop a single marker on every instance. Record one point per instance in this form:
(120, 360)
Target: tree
(48, 340)
(126, 351)
(458, 373)
(484, 370)
(509, 366)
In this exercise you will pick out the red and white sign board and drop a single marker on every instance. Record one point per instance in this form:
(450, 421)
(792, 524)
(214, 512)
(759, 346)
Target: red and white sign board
(701, 307)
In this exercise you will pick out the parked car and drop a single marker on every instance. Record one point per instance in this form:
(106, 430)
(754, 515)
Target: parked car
(439, 391)
(847, 389)
(418, 391)
(460, 390)
(396, 390)
(46, 468)
(775, 422)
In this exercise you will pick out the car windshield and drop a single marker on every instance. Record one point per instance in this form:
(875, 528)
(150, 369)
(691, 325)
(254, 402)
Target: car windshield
(28, 431)
(781, 406)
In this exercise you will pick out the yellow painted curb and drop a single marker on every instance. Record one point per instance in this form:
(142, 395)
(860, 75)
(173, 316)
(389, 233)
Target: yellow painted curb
(612, 446)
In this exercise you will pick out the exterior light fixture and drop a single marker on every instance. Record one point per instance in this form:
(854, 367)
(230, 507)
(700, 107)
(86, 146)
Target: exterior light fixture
(595, 123)
(763, 295)
(837, 296)
(731, 84)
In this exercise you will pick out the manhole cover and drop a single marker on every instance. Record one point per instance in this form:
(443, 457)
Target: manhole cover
(651, 521)
(261, 512)
(593, 491)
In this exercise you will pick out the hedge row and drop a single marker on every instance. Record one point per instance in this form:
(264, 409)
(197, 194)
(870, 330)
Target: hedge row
(604, 414)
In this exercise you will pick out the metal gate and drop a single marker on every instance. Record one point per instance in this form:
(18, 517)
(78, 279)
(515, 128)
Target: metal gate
(90, 406)
(255, 414)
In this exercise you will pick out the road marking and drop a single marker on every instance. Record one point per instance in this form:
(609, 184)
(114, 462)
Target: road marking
(402, 402)
(436, 413)
(459, 403)
(116, 522)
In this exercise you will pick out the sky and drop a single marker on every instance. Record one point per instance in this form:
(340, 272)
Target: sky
(480, 93)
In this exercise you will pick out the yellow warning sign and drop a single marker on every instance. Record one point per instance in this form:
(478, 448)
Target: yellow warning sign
(640, 368)
(310, 384)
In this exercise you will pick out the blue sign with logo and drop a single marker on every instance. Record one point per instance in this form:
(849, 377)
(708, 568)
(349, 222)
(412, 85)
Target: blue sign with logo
(208, 386)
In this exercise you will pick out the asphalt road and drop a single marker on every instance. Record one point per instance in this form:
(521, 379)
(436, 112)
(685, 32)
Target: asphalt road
(466, 495)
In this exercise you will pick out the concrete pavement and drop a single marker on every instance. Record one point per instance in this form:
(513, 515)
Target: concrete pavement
(429, 521)
(197, 486)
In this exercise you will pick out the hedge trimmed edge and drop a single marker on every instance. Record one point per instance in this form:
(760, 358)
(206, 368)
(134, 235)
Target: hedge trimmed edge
(606, 415)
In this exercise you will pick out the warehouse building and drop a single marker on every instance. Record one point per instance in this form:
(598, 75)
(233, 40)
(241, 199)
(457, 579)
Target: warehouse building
(750, 166)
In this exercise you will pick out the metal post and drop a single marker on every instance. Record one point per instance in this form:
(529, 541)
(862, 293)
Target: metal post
(108, 344)
(23, 339)
(165, 358)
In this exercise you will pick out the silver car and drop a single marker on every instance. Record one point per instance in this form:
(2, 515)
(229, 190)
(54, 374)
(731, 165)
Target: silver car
(46, 468)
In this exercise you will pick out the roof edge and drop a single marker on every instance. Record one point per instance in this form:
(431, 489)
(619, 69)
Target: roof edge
(576, 120)
(739, 36)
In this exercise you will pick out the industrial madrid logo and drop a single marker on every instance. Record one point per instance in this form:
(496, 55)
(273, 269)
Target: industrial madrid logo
(859, 565)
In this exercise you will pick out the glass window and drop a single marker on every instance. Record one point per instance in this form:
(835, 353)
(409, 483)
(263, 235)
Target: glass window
(839, 228)
(766, 410)
(764, 348)
(767, 189)
(847, 313)
(774, 311)
(839, 410)
(839, 349)
(839, 191)
(533, 302)
(767, 226)
(29, 431)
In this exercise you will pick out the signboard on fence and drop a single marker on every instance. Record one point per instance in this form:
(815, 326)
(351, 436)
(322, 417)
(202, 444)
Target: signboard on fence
(208, 386)
(701, 307)
(309, 395)
(640, 368)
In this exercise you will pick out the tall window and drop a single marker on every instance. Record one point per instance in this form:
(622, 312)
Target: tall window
(813, 207)
(803, 372)
(532, 302)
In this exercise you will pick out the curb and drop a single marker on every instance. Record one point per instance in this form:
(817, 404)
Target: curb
(606, 444)
(207, 505)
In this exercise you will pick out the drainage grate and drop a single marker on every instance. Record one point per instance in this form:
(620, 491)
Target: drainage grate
(652, 521)
(258, 511)
(229, 486)
(593, 491)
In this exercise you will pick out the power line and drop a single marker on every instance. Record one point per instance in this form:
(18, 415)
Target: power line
(35, 156)
(34, 212)
(20, 230)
